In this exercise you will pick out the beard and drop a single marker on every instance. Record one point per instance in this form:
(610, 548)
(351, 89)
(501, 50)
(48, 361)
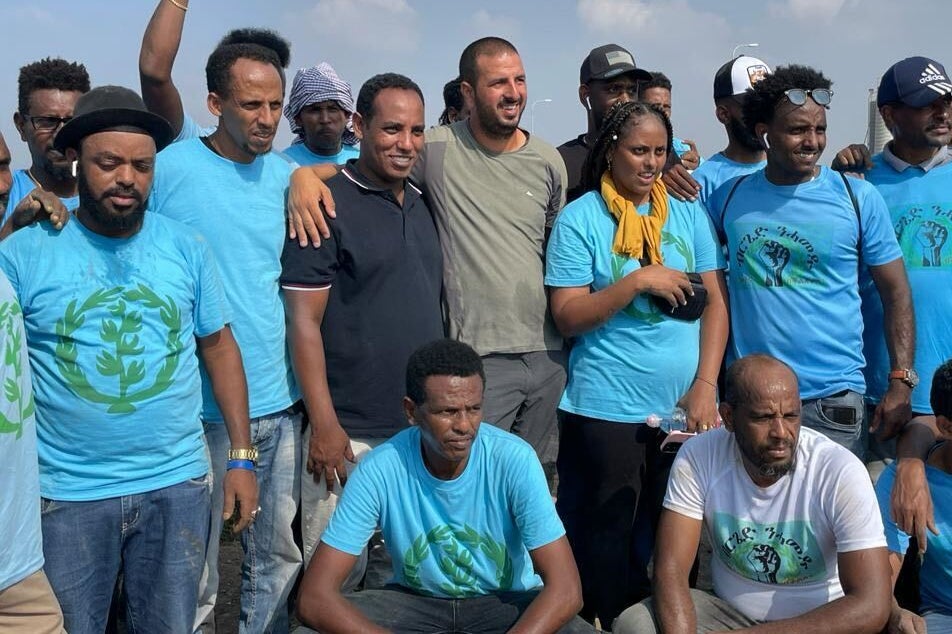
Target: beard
(102, 214)
(743, 136)
(490, 122)
(758, 458)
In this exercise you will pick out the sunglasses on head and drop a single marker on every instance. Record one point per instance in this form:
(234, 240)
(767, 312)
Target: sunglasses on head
(798, 96)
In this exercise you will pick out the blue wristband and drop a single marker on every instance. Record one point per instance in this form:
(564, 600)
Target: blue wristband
(241, 464)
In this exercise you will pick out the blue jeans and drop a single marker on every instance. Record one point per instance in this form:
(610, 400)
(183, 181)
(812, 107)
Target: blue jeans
(938, 623)
(828, 416)
(272, 559)
(402, 611)
(157, 539)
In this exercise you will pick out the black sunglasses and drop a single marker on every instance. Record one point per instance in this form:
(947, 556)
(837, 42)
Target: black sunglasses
(798, 96)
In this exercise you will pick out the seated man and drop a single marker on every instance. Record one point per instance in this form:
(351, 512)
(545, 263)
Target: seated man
(466, 515)
(935, 575)
(791, 515)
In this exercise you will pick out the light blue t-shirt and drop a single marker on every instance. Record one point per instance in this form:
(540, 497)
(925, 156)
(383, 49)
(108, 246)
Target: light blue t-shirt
(239, 208)
(111, 326)
(794, 264)
(935, 575)
(465, 537)
(920, 207)
(192, 130)
(639, 362)
(21, 547)
(300, 154)
(719, 169)
(23, 185)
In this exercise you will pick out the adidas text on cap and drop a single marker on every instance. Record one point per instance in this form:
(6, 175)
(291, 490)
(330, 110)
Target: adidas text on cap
(737, 75)
(915, 81)
(610, 61)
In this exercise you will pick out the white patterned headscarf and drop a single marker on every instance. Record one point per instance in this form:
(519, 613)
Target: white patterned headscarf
(316, 84)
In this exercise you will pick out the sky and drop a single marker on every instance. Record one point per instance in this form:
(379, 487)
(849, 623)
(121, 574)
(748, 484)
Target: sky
(851, 41)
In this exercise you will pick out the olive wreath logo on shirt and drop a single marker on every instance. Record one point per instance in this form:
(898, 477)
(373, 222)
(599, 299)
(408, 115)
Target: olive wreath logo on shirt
(652, 315)
(454, 548)
(120, 333)
(23, 405)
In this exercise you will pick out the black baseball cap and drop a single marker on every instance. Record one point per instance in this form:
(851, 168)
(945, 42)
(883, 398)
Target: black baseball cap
(915, 81)
(610, 61)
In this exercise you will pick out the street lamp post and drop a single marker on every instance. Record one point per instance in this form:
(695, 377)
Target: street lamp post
(750, 45)
(532, 113)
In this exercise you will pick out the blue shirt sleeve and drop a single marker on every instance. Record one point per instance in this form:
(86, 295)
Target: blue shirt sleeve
(879, 238)
(708, 255)
(358, 512)
(531, 504)
(8, 266)
(212, 310)
(191, 129)
(570, 255)
(896, 540)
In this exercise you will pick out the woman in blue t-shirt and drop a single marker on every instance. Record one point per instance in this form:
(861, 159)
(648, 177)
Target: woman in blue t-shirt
(617, 266)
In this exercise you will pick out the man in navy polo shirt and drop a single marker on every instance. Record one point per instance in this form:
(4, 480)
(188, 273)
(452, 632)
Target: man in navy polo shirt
(362, 303)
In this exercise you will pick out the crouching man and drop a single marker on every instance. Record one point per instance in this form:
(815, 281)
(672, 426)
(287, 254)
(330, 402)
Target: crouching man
(466, 515)
(798, 543)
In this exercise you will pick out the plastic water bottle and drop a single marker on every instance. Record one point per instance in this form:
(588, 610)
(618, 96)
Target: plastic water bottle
(677, 421)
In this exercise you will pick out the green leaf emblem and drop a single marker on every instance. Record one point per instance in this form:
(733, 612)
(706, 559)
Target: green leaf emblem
(117, 359)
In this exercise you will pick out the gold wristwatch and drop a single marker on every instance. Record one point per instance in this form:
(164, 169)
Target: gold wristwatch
(244, 454)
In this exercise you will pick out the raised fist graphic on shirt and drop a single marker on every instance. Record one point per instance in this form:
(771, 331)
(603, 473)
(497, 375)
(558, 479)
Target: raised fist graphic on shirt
(775, 258)
(765, 562)
(932, 237)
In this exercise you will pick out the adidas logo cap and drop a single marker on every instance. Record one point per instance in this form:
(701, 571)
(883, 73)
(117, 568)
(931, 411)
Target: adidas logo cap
(915, 81)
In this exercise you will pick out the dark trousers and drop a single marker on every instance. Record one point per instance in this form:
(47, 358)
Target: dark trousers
(612, 479)
(404, 612)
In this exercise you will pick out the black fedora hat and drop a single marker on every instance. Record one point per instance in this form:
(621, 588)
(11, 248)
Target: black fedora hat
(106, 107)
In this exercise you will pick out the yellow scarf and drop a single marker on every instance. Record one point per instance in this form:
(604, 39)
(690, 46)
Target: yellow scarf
(635, 232)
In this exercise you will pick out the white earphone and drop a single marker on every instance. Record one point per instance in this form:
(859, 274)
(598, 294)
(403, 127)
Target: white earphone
(72, 168)
(766, 143)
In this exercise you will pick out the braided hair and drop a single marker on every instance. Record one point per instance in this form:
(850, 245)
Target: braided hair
(617, 123)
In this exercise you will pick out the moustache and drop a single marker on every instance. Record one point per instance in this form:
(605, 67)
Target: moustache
(119, 191)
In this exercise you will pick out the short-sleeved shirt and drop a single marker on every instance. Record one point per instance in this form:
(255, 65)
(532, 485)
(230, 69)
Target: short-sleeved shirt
(794, 256)
(574, 153)
(384, 267)
(640, 361)
(23, 185)
(111, 326)
(935, 574)
(719, 169)
(775, 548)
(192, 130)
(300, 154)
(457, 538)
(21, 546)
(240, 209)
(492, 211)
(920, 208)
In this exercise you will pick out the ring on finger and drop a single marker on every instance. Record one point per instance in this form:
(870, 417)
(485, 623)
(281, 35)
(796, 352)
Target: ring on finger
(254, 513)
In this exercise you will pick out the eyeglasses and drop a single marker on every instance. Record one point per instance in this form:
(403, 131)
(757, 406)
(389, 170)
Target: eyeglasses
(47, 124)
(798, 96)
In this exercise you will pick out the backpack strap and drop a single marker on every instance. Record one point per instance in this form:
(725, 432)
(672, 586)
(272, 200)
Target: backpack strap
(859, 218)
(721, 233)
